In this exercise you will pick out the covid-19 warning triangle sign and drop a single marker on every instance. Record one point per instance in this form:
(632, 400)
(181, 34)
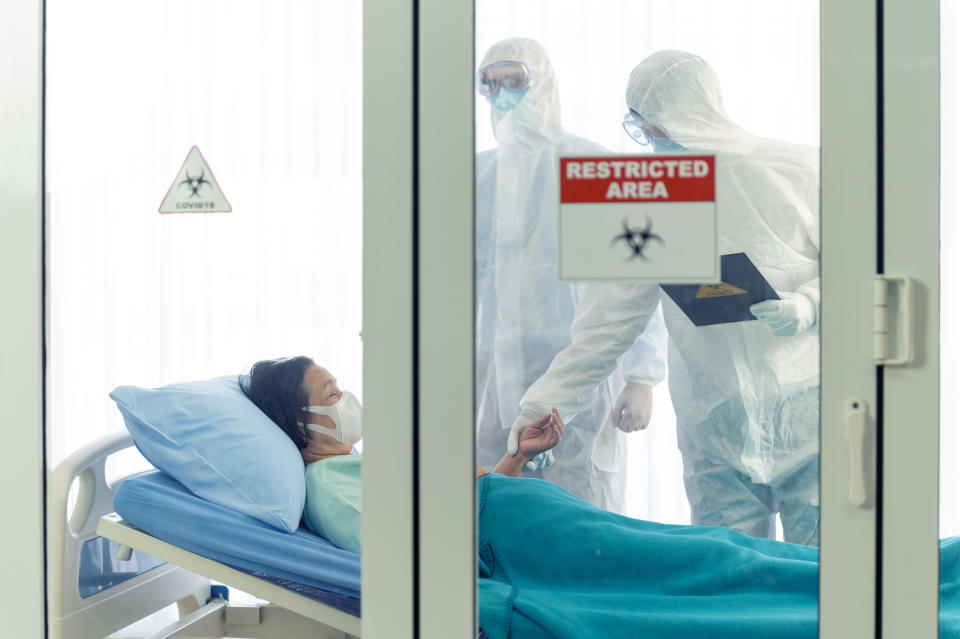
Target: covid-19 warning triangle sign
(718, 290)
(195, 190)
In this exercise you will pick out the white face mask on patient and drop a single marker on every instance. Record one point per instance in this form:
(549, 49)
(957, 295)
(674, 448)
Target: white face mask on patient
(346, 415)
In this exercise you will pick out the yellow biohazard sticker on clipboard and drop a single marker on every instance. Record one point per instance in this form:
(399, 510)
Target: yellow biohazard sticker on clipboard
(718, 290)
(723, 302)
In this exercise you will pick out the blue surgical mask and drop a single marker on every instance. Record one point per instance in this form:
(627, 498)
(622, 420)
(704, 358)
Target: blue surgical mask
(505, 99)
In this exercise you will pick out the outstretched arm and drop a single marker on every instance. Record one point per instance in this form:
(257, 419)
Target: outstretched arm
(608, 321)
(538, 437)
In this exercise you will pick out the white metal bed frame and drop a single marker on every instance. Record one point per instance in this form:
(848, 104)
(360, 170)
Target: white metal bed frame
(184, 579)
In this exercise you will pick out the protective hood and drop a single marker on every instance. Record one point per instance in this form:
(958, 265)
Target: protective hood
(679, 93)
(536, 118)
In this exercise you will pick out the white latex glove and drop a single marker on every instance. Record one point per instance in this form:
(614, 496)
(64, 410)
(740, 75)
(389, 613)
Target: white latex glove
(793, 314)
(539, 461)
(634, 407)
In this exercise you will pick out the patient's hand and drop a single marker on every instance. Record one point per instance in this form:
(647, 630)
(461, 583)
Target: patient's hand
(536, 437)
(541, 435)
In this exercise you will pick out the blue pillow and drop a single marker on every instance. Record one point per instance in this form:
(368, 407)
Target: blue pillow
(212, 439)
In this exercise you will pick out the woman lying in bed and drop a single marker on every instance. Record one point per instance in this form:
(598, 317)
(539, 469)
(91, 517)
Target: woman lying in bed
(305, 401)
(553, 565)
(324, 423)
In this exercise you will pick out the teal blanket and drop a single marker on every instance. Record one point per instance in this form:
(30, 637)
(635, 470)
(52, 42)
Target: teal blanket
(552, 565)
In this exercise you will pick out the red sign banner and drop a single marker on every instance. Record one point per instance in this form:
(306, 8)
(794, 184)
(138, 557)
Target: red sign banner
(657, 178)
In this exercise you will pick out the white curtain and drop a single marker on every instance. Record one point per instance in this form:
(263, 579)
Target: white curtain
(767, 55)
(270, 91)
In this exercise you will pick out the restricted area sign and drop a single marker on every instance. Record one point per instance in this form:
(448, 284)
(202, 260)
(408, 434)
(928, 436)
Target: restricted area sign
(648, 218)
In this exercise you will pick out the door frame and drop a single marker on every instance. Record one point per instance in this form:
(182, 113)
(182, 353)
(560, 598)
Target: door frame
(848, 213)
(389, 576)
(445, 280)
(22, 314)
(910, 241)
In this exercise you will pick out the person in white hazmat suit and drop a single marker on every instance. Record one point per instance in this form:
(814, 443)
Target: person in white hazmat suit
(523, 313)
(746, 394)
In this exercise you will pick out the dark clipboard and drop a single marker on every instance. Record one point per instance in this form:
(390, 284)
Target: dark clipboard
(741, 285)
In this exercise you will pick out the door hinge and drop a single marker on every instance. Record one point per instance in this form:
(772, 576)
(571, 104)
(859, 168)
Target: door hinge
(892, 312)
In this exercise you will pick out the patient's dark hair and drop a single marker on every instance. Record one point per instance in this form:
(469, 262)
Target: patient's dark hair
(276, 387)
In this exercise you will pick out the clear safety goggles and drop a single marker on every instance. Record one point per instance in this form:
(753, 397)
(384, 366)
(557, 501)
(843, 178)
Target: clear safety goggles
(642, 131)
(507, 74)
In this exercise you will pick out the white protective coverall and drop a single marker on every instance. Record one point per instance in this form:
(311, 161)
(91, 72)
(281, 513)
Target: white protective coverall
(524, 315)
(747, 401)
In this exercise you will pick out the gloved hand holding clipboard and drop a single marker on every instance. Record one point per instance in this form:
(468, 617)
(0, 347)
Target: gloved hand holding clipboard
(741, 286)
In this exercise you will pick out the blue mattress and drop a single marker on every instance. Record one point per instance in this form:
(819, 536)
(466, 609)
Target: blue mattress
(300, 561)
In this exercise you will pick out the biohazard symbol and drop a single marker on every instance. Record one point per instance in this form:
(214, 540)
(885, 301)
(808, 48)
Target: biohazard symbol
(637, 239)
(718, 290)
(194, 183)
(194, 189)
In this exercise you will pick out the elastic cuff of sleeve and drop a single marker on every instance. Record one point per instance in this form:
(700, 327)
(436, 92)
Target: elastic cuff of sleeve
(531, 414)
(815, 302)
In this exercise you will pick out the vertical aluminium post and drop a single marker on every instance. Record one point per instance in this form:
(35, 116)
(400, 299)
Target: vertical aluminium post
(21, 316)
(389, 373)
(848, 214)
(911, 248)
(447, 555)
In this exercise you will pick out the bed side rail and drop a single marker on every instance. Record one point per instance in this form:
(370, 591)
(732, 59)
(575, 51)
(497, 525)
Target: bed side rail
(133, 588)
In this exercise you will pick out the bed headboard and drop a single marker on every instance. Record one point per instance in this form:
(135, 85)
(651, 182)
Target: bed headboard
(92, 591)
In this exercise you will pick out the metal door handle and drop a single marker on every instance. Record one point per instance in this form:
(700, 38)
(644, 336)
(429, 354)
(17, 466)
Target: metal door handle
(856, 426)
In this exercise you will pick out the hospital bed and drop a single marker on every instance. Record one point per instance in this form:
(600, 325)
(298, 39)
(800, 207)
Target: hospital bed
(108, 571)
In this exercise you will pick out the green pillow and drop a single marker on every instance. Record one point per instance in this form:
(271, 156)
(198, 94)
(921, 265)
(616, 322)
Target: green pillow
(333, 500)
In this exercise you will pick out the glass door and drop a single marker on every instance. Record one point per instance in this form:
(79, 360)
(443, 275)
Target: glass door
(727, 452)
(203, 174)
(745, 461)
(428, 324)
